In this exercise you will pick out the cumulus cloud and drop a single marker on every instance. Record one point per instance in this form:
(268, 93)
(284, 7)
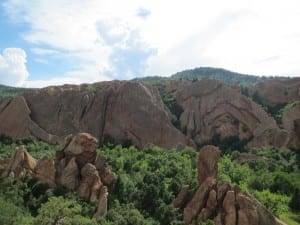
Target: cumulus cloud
(112, 39)
(13, 69)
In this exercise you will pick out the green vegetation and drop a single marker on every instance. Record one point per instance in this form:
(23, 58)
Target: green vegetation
(6, 91)
(171, 104)
(36, 148)
(147, 182)
(225, 76)
(92, 88)
(275, 111)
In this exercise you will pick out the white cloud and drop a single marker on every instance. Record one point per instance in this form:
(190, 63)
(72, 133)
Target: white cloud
(44, 51)
(257, 36)
(236, 35)
(13, 70)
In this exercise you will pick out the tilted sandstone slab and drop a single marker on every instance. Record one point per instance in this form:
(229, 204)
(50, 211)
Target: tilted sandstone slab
(45, 171)
(120, 111)
(274, 92)
(16, 122)
(214, 109)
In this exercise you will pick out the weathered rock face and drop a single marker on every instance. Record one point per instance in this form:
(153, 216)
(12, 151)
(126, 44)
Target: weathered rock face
(279, 91)
(16, 122)
(74, 168)
(133, 113)
(45, 171)
(291, 123)
(183, 197)
(208, 163)
(222, 203)
(214, 109)
(126, 112)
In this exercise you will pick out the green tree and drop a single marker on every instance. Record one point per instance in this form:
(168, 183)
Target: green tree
(294, 204)
(61, 211)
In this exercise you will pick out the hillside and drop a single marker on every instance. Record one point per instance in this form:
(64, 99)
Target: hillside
(6, 91)
(224, 76)
(138, 162)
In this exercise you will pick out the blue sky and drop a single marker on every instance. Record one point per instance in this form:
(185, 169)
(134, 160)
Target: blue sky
(76, 41)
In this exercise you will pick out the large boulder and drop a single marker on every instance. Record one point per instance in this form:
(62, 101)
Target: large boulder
(45, 171)
(82, 146)
(90, 183)
(69, 175)
(194, 207)
(208, 163)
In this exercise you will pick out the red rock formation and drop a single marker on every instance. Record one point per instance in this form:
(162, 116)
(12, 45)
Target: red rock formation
(81, 146)
(45, 171)
(183, 197)
(75, 156)
(126, 112)
(291, 123)
(20, 162)
(214, 109)
(16, 122)
(208, 163)
(223, 203)
(133, 113)
(275, 92)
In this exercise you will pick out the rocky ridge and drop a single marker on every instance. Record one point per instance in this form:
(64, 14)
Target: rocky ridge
(119, 111)
(134, 113)
(211, 108)
(74, 167)
(219, 200)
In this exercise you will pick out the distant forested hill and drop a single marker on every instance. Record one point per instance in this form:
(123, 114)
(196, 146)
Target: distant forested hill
(225, 76)
(6, 91)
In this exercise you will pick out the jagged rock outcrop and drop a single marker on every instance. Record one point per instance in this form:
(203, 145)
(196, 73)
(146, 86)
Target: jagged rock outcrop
(108, 177)
(81, 147)
(120, 111)
(212, 109)
(20, 162)
(208, 163)
(73, 167)
(275, 92)
(221, 202)
(45, 171)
